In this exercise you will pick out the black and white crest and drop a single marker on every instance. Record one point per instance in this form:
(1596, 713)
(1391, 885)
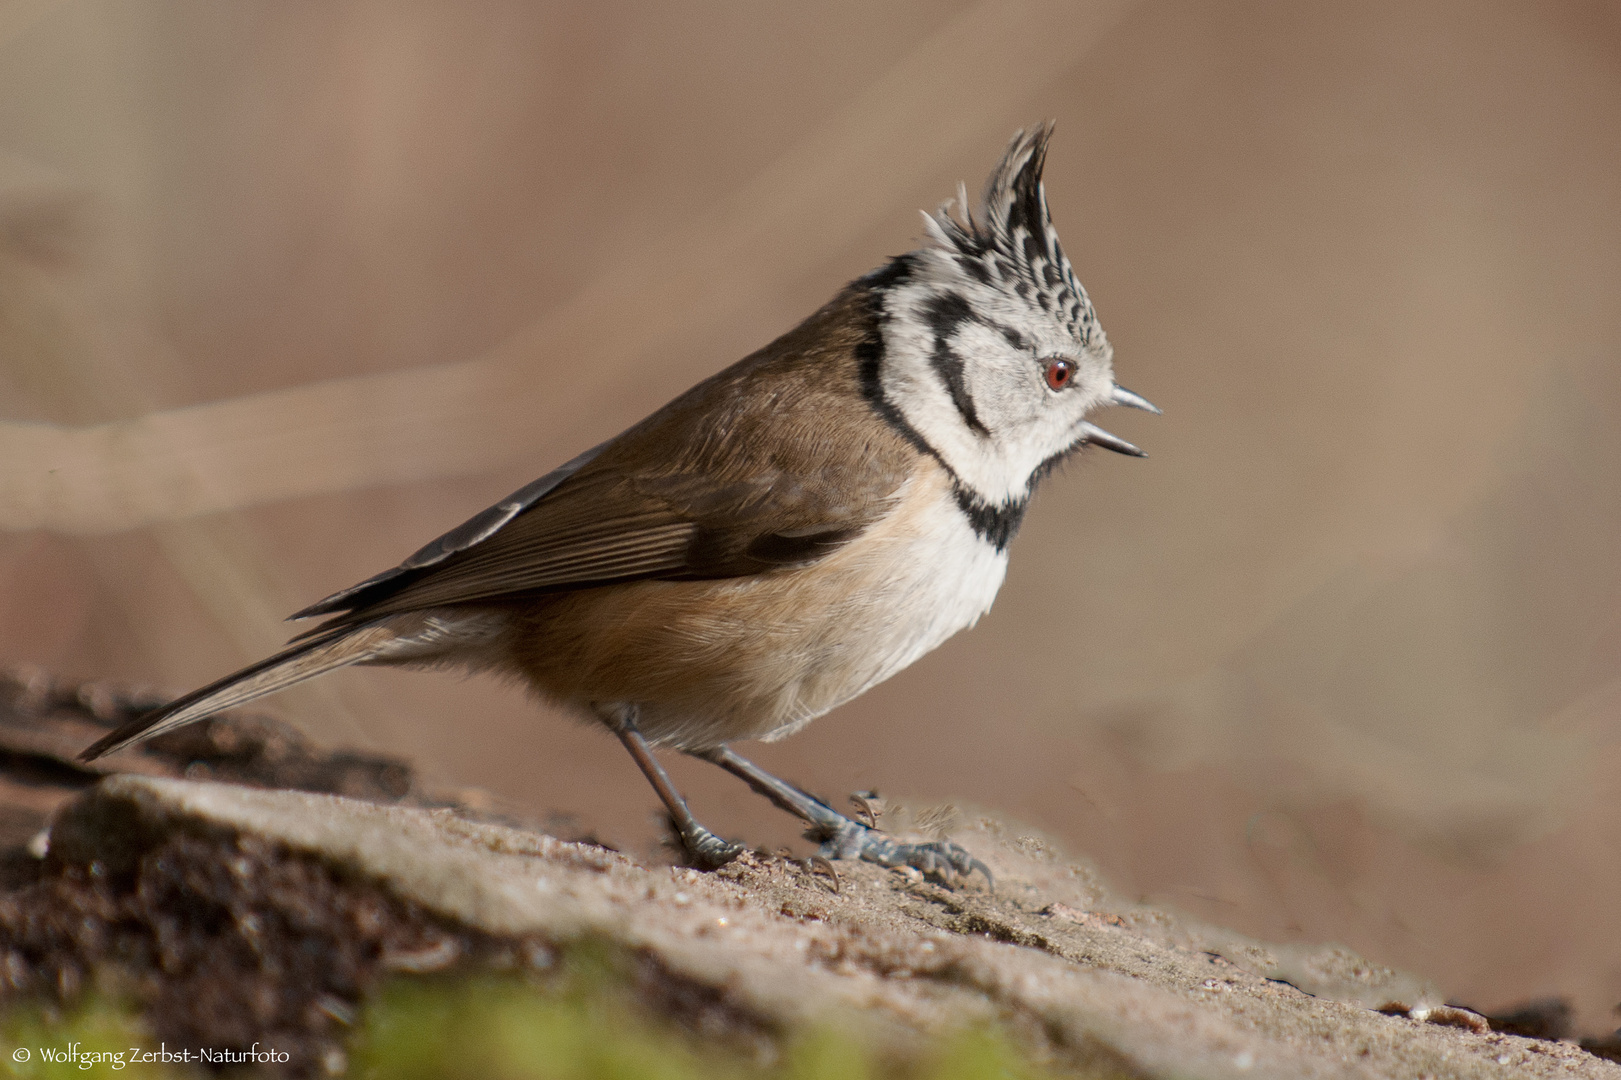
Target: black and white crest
(1011, 243)
(975, 326)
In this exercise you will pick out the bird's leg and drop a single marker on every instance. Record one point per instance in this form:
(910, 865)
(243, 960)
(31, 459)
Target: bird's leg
(704, 848)
(843, 838)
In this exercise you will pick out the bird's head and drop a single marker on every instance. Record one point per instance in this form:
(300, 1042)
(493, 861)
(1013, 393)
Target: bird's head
(993, 354)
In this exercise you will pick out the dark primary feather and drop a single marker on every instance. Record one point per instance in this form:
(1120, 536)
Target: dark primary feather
(775, 461)
(463, 536)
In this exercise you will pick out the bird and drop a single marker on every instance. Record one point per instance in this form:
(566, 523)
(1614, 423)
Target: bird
(776, 540)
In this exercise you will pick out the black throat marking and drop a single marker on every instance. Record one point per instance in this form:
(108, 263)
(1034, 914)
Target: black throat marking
(995, 523)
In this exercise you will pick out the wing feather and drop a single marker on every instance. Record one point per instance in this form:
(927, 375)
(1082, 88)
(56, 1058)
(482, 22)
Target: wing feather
(777, 461)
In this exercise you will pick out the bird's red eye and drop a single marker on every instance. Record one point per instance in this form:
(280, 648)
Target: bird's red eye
(1058, 373)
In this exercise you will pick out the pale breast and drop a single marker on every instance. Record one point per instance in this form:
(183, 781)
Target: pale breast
(708, 662)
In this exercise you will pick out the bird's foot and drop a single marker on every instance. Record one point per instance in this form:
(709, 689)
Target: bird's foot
(706, 851)
(940, 861)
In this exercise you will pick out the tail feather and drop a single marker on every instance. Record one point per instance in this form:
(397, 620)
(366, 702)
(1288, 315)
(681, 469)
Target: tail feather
(301, 661)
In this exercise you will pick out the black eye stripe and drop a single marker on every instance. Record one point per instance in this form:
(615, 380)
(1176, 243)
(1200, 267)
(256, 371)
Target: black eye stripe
(943, 314)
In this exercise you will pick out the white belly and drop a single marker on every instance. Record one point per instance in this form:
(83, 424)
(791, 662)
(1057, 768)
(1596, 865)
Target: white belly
(790, 647)
(938, 582)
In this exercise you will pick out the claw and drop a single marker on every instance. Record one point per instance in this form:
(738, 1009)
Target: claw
(818, 863)
(869, 805)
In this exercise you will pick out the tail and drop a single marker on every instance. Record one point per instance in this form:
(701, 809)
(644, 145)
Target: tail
(305, 660)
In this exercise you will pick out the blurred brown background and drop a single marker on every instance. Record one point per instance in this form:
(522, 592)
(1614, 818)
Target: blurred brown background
(288, 288)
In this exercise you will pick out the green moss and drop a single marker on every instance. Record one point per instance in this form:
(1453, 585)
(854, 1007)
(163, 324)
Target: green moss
(499, 1029)
(97, 1038)
(585, 1025)
(582, 1022)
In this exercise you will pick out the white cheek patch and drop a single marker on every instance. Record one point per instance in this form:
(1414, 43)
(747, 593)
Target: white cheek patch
(913, 384)
(979, 403)
(1004, 381)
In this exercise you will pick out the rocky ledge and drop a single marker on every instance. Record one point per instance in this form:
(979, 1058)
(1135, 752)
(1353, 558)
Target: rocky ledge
(232, 914)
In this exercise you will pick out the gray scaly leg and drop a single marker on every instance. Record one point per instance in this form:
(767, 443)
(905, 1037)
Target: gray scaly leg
(704, 848)
(843, 838)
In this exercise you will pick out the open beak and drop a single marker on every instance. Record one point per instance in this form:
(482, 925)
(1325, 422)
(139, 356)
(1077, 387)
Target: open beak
(1098, 437)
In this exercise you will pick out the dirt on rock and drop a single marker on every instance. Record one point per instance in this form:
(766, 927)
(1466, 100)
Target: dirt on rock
(235, 912)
